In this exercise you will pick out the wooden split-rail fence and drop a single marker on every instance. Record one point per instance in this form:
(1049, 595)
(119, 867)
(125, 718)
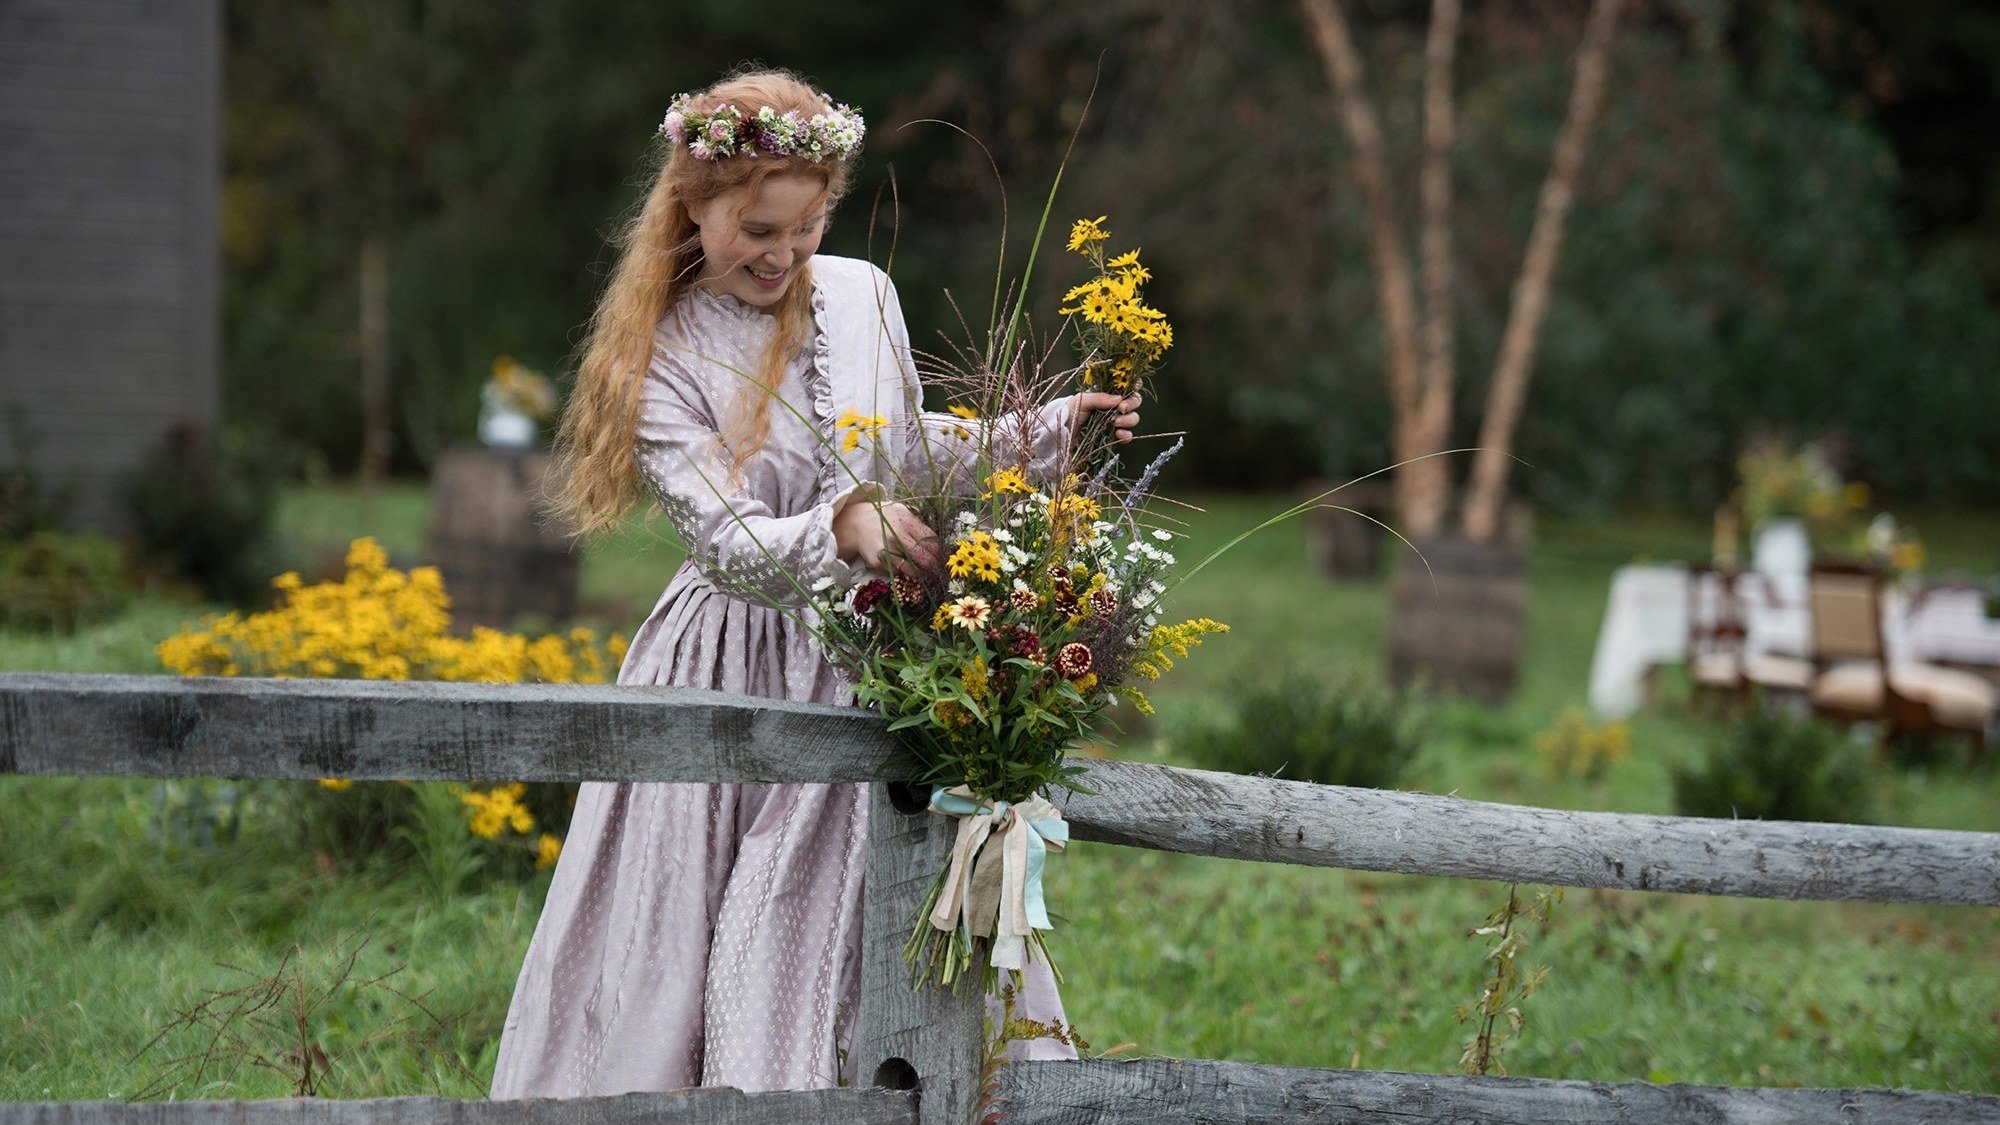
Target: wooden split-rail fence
(920, 1055)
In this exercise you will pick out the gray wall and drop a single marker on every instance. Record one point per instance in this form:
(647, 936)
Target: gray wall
(110, 118)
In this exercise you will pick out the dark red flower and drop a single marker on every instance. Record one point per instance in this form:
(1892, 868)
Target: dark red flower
(1021, 640)
(871, 594)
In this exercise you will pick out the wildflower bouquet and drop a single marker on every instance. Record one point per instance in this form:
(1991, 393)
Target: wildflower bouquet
(1891, 546)
(1038, 611)
(519, 390)
(1777, 483)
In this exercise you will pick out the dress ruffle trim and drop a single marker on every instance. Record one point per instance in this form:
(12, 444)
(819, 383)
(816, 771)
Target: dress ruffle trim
(819, 385)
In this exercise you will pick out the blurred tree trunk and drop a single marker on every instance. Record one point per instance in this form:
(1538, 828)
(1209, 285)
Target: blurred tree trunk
(1421, 372)
(1487, 491)
(375, 431)
(1433, 421)
(1423, 488)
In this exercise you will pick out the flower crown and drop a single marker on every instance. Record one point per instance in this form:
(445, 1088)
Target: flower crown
(833, 135)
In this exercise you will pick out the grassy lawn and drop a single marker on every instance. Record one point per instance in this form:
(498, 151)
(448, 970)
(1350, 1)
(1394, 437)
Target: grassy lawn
(117, 915)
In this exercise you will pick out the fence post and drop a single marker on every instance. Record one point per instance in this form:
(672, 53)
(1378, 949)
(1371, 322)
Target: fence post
(931, 1040)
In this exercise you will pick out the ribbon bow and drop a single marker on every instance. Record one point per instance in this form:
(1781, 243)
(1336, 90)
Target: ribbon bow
(1001, 900)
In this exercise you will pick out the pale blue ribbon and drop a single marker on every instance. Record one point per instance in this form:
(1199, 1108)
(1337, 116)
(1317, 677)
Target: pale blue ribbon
(1042, 832)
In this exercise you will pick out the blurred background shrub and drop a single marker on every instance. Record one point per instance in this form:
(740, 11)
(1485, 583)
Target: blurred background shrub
(1345, 729)
(1773, 766)
(51, 581)
(202, 507)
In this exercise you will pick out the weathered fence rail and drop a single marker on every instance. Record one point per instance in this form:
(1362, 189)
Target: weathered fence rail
(144, 726)
(1103, 1092)
(716, 1106)
(1199, 1092)
(152, 726)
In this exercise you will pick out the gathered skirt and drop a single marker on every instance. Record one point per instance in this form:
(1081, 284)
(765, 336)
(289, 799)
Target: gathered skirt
(706, 934)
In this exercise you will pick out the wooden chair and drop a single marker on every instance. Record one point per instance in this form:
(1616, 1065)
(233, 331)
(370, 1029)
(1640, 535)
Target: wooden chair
(1855, 680)
(1720, 667)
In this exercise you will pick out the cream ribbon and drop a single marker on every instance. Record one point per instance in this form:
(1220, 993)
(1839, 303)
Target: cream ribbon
(1001, 900)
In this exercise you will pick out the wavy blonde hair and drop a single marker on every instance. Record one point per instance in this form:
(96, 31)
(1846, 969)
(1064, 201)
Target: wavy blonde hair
(596, 478)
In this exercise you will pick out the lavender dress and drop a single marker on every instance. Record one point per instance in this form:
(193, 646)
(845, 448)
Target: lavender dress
(710, 934)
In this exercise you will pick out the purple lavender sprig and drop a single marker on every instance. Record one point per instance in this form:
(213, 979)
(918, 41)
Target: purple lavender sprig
(1145, 483)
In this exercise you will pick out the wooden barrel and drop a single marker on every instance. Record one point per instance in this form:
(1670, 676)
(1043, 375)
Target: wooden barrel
(1460, 626)
(499, 557)
(1341, 545)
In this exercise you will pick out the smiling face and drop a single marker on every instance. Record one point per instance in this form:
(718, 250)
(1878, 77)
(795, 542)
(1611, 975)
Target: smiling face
(754, 239)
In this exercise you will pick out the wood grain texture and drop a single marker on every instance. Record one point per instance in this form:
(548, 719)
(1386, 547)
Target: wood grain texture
(163, 726)
(158, 726)
(712, 1106)
(1271, 820)
(938, 1033)
(1193, 1092)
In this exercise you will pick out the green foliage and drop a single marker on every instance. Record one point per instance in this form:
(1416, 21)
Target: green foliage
(491, 192)
(1288, 722)
(1736, 262)
(198, 813)
(52, 582)
(1771, 766)
(1312, 967)
(27, 504)
(203, 506)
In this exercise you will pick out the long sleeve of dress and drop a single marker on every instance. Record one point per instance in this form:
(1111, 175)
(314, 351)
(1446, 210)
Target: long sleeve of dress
(731, 530)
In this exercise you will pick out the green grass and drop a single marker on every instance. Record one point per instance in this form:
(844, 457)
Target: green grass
(110, 926)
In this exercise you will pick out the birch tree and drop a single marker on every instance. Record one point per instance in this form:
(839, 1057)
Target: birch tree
(1419, 340)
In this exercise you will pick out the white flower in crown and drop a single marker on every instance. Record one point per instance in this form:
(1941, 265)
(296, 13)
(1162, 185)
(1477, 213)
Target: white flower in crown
(835, 134)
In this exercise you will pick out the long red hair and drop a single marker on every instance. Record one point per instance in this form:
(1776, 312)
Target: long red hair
(659, 257)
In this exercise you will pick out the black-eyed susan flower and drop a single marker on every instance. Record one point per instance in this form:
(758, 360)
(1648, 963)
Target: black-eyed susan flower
(1006, 482)
(1085, 233)
(976, 556)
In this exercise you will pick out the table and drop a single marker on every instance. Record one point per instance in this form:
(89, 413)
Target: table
(1646, 625)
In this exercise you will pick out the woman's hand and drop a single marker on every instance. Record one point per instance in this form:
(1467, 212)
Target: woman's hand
(1126, 418)
(887, 537)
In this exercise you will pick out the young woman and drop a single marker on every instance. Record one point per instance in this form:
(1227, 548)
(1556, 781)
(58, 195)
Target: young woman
(709, 934)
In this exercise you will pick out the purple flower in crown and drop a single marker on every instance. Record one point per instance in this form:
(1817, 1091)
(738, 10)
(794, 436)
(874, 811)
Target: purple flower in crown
(727, 131)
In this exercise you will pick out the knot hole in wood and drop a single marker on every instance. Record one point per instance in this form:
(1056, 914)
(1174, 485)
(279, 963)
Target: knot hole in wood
(909, 798)
(897, 1074)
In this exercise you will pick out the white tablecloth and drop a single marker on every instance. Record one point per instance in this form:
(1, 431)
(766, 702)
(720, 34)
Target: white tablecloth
(1646, 623)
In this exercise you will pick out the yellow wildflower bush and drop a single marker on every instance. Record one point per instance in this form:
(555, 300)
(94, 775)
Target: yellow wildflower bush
(379, 623)
(1577, 747)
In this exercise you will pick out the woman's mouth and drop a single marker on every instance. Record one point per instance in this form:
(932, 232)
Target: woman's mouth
(765, 280)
